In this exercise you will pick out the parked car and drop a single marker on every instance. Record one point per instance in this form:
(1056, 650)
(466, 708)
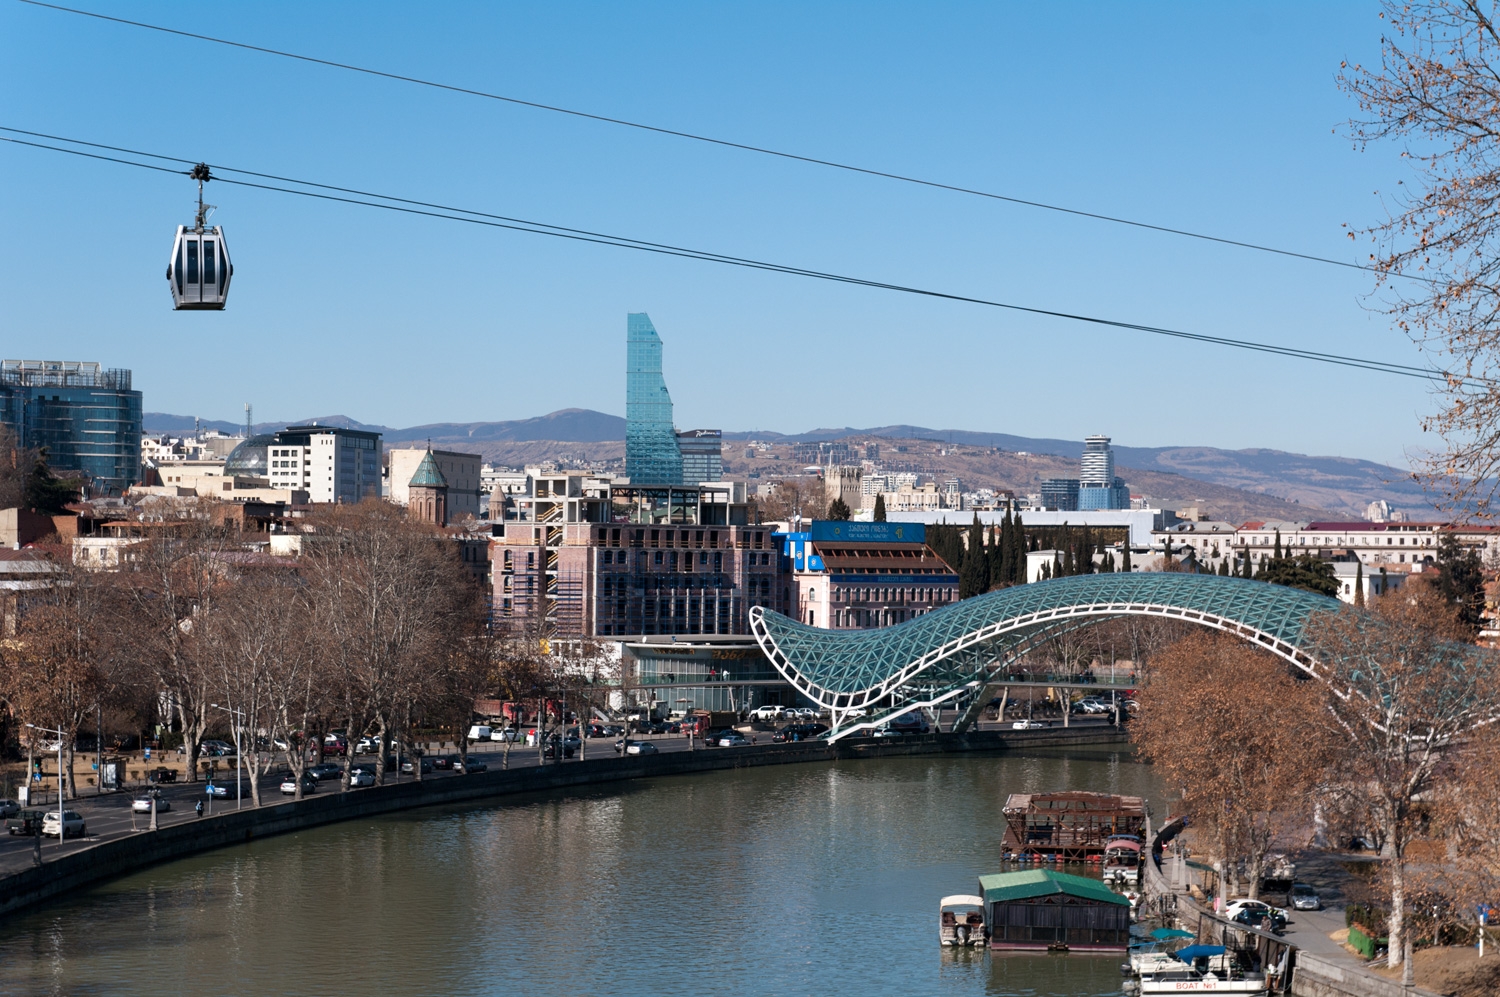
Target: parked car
(733, 739)
(767, 714)
(26, 822)
(1256, 909)
(327, 770)
(367, 746)
(409, 767)
(472, 765)
(505, 734)
(1304, 897)
(333, 744)
(68, 824)
(481, 732)
(1029, 725)
(289, 784)
(360, 778)
(443, 763)
(910, 723)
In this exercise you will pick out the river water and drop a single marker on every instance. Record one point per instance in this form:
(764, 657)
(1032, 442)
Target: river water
(786, 880)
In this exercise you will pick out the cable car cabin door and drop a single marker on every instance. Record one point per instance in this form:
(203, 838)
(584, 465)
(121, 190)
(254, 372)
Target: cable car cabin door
(200, 270)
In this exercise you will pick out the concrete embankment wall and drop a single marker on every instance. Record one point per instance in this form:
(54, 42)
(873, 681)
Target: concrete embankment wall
(1314, 976)
(107, 859)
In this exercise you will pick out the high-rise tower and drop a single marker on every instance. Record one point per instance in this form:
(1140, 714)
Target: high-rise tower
(1098, 464)
(651, 453)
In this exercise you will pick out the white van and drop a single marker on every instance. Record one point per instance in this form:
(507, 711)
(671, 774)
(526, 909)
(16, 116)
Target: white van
(479, 732)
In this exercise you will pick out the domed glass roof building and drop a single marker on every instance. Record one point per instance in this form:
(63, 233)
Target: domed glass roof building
(249, 460)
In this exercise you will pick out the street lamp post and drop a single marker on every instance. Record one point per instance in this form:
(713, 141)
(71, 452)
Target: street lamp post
(62, 833)
(239, 789)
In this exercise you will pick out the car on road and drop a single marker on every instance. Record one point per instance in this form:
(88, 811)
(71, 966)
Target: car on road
(733, 739)
(1253, 911)
(1304, 897)
(289, 784)
(1029, 725)
(635, 747)
(224, 791)
(9, 808)
(443, 763)
(1091, 705)
(68, 824)
(505, 734)
(214, 748)
(767, 714)
(27, 822)
(472, 765)
(798, 732)
(361, 778)
(327, 770)
(142, 804)
(481, 732)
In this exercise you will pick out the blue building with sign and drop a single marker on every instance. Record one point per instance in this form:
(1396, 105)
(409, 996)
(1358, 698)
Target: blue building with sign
(856, 576)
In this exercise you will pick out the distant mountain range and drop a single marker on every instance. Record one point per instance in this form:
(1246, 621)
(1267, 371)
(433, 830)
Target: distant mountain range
(1341, 484)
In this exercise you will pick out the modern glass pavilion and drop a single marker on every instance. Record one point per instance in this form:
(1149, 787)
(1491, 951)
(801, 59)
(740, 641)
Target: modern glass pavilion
(943, 656)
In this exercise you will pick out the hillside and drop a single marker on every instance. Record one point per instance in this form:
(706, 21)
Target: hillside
(1231, 483)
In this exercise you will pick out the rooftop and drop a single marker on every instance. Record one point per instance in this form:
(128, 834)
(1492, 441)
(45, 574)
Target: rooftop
(1006, 887)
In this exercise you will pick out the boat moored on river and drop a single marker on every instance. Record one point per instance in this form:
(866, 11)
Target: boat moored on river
(1042, 910)
(961, 920)
(1199, 969)
(1122, 860)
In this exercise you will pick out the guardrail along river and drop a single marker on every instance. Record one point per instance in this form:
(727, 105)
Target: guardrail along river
(797, 879)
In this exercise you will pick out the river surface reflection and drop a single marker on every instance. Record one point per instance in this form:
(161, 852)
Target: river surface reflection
(787, 880)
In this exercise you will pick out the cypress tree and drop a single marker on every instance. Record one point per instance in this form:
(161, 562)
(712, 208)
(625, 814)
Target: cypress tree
(1276, 553)
(879, 507)
(1125, 556)
(1086, 553)
(1224, 567)
(1068, 567)
(1000, 562)
(1359, 584)
(1018, 555)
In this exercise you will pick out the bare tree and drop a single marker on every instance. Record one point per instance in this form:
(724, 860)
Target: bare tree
(258, 642)
(53, 672)
(392, 601)
(1436, 92)
(1203, 724)
(174, 580)
(1404, 688)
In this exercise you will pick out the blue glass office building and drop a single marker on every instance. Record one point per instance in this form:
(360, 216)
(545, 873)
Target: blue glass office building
(88, 418)
(651, 453)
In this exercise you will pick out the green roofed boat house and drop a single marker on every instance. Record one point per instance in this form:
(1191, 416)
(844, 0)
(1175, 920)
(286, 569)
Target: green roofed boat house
(1039, 909)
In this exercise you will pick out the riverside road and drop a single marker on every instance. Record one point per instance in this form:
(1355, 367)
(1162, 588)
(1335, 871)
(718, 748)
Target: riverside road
(109, 816)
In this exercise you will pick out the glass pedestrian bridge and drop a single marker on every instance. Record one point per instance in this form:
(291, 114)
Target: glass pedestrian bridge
(866, 677)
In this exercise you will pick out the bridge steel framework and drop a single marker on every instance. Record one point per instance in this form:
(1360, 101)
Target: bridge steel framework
(867, 677)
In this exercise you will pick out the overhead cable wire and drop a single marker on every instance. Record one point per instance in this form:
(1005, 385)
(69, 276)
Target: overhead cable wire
(731, 144)
(345, 195)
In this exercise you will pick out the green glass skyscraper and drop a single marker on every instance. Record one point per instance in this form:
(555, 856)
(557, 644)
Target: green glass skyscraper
(651, 453)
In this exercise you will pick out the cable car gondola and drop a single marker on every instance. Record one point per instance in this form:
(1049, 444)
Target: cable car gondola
(199, 270)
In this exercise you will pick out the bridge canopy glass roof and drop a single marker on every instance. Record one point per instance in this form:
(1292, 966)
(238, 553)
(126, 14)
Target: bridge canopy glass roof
(961, 643)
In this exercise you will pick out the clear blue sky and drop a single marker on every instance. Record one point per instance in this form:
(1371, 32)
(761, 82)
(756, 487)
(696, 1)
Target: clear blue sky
(1221, 118)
